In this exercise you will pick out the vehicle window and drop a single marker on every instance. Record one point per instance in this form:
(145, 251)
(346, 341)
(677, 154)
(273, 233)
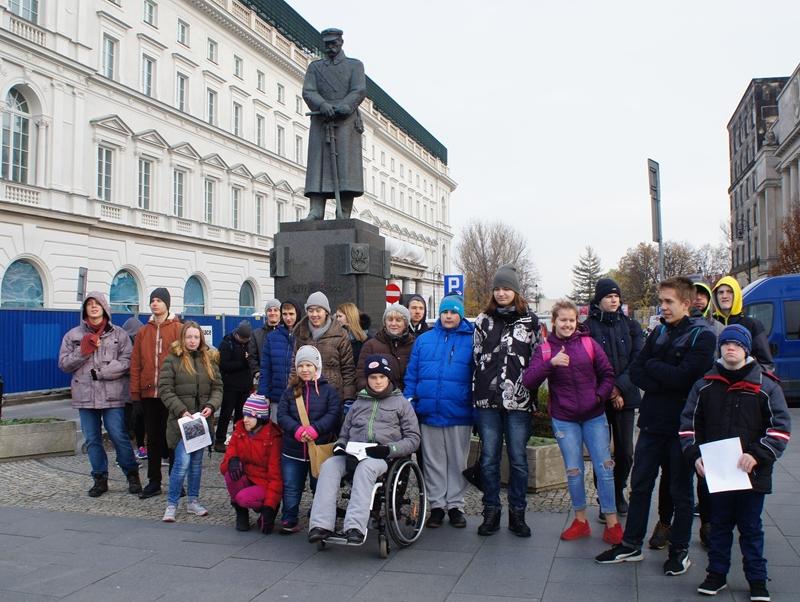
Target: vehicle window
(791, 312)
(763, 313)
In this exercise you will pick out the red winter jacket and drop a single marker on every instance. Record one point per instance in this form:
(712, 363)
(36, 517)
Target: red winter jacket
(261, 456)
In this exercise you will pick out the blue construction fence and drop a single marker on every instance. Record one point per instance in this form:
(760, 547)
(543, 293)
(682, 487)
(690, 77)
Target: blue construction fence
(30, 340)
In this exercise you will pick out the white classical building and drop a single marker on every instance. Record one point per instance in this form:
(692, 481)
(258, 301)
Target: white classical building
(156, 143)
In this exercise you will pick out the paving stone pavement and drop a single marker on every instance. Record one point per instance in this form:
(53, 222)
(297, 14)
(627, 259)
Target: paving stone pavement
(58, 544)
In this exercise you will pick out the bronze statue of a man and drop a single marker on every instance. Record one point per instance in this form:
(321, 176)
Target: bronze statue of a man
(333, 89)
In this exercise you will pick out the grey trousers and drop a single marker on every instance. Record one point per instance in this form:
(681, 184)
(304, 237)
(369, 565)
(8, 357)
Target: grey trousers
(444, 457)
(323, 510)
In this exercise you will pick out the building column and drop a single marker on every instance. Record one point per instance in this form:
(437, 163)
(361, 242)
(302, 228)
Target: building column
(418, 286)
(405, 286)
(792, 185)
(79, 162)
(42, 127)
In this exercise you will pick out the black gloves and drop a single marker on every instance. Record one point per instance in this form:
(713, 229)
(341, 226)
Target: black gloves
(338, 450)
(235, 468)
(267, 520)
(378, 451)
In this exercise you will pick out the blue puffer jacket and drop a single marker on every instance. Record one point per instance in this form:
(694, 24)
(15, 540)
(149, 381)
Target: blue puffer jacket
(438, 379)
(276, 363)
(324, 414)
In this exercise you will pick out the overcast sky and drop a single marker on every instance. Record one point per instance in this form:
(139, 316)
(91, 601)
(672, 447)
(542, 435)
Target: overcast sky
(549, 110)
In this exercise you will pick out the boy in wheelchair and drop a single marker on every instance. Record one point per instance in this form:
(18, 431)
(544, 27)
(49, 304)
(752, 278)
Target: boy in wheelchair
(380, 415)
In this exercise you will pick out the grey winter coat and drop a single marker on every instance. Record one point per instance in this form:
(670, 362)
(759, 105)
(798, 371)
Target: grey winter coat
(111, 363)
(389, 421)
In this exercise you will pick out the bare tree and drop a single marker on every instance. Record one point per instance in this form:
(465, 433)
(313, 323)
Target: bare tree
(789, 247)
(481, 250)
(637, 275)
(712, 261)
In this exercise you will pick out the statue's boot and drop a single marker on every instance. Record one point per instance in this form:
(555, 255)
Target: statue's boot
(347, 207)
(316, 210)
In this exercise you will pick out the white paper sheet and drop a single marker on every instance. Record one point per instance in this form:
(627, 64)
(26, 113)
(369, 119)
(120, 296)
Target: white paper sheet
(194, 432)
(358, 449)
(720, 459)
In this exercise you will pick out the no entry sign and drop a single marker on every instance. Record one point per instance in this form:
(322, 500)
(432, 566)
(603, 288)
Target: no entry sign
(392, 293)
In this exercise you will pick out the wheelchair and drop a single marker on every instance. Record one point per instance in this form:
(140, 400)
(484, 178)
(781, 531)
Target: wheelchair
(398, 508)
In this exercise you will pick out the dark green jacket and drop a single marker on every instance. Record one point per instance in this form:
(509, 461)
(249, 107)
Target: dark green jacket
(183, 392)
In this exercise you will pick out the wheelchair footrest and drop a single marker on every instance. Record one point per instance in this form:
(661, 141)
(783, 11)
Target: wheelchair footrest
(338, 539)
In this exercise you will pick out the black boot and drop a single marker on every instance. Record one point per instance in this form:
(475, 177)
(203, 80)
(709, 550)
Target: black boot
(242, 517)
(134, 484)
(491, 520)
(316, 210)
(516, 522)
(100, 485)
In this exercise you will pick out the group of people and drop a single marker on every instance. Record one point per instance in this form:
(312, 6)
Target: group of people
(325, 378)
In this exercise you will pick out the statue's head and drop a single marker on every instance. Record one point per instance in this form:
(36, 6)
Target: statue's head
(332, 38)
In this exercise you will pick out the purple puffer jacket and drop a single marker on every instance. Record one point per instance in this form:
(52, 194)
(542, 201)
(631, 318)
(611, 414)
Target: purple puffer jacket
(578, 392)
(111, 363)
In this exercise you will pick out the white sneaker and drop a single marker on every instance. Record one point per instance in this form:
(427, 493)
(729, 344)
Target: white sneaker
(169, 514)
(194, 507)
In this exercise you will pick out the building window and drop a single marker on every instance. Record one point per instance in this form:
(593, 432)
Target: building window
(280, 141)
(16, 137)
(402, 170)
(194, 298)
(247, 299)
(211, 106)
(183, 32)
(281, 94)
(22, 286)
(104, 173)
(109, 56)
(237, 119)
(383, 191)
(298, 214)
(27, 9)
(178, 188)
(383, 159)
(391, 195)
(148, 69)
(279, 215)
(181, 92)
(259, 213)
(402, 201)
(211, 54)
(261, 131)
(124, 293)
(298, 105)
(208, 209)
(298, 149)
(236, 195)
(238, 66)
(391, 165)
(261, 81)
(149, 12)
(145, 183)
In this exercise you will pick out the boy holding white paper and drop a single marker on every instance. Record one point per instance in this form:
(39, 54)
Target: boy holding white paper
(737, 398)
(382, 416)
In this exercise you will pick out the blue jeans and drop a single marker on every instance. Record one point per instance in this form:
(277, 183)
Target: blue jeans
(185, 464)
(740, 509)
(114, 420)
(294, 473)
(571, 436)
(652, 451)
(515, 427)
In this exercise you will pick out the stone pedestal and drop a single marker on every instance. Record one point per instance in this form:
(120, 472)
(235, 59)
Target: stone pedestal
(346, 259)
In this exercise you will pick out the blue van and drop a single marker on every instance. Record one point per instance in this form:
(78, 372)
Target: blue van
(775, 302)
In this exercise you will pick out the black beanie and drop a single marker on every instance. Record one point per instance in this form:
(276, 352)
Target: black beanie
(378, 364)
(506, 277)
(161, 293)
(605, 286)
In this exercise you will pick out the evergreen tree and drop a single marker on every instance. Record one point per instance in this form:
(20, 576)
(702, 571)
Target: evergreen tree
(585, 275)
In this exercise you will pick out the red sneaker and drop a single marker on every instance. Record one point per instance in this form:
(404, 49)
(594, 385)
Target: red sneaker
(577, 530)
(613, 535)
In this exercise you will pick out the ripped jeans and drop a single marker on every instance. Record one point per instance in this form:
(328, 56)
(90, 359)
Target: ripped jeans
(571, 436)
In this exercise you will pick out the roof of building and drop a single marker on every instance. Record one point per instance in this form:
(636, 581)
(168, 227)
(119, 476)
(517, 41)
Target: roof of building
(292, 25)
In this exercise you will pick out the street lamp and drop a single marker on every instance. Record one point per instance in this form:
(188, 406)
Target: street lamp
(437, 274)
(742, 228)
(536, 296)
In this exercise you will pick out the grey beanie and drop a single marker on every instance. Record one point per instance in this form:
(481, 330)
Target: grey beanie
(506, 277)
(397, 309)
(309, 353)
(272, 303)
(319, 299)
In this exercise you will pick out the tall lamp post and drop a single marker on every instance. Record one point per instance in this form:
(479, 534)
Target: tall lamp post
(742, 229)
(437, 275)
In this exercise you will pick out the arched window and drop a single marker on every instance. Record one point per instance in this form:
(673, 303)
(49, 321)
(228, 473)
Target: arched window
(16, 138)
(27, 9)
(22, 286)
(194, 299)
(247, 299)
(124, 295)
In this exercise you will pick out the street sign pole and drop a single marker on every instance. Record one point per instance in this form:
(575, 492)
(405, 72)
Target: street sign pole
(654, 177)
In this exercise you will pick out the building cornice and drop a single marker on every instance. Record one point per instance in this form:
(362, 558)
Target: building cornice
(152, 41)
(115, 20)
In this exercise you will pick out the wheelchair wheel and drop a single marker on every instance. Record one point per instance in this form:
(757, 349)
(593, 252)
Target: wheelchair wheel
(383, 546)
(406, 502)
